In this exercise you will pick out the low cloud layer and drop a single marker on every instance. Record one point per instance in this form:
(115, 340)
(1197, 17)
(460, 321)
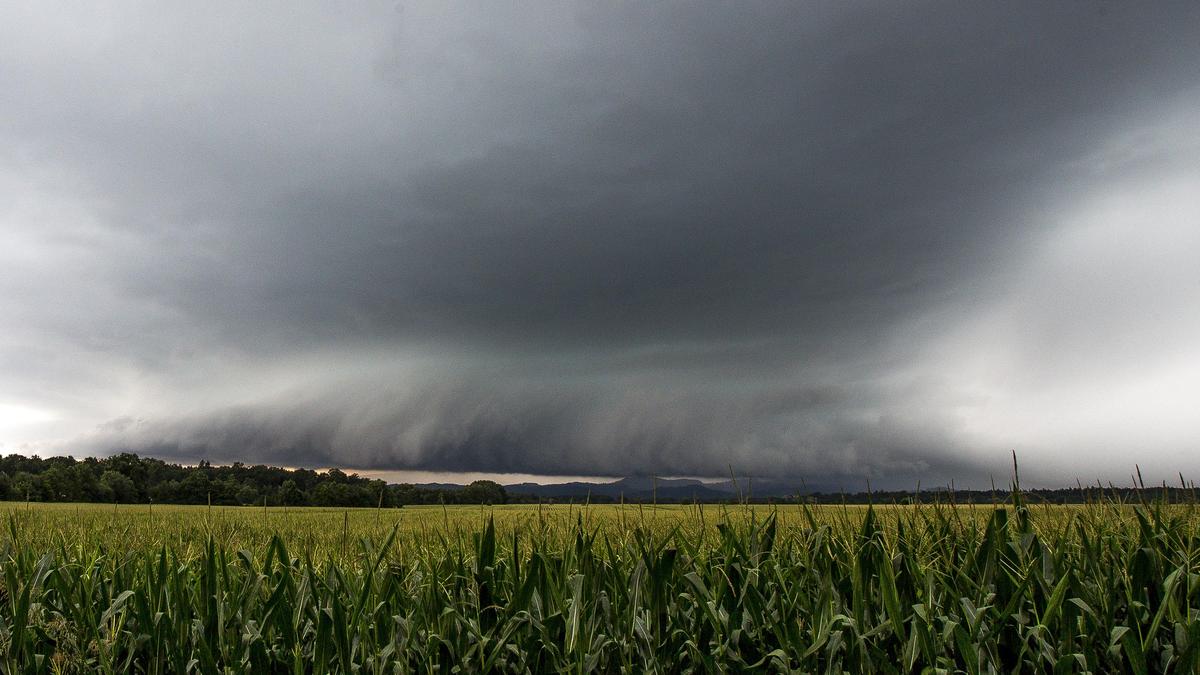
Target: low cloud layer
(836, 240)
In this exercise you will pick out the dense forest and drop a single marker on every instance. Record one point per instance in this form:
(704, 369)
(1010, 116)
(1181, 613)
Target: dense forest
(129, 479)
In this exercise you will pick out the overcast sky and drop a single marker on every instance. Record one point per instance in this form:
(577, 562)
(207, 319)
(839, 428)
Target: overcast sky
(892, 241)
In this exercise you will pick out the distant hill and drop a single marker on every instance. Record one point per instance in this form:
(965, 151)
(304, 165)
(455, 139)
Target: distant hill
(646, 487)
(629, 488)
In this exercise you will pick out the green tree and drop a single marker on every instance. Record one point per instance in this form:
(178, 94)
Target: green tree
(290, 495)
(132, 467)
(484, 492)
(60, 484)
(87, 481)
(166, 492)
(247, 495)
(119, 486)
(26, 486)
(193, 489)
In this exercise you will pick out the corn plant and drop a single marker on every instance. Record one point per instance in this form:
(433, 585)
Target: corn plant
(1107, 587)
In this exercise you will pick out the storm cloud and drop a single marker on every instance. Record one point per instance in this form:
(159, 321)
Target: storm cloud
(885, 241)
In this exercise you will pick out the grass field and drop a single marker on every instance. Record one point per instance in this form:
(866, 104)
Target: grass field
(1098, 588)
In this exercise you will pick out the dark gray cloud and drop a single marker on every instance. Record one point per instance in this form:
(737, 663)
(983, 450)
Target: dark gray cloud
(842, 239)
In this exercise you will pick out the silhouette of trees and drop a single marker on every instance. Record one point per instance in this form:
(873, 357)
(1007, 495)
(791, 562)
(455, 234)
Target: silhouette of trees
(127, 478)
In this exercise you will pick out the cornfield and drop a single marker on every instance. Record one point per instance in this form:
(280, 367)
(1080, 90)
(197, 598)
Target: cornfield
(1107, 587)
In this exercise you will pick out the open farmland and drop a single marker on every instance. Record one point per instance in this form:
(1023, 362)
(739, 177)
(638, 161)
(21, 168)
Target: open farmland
(1099, 588)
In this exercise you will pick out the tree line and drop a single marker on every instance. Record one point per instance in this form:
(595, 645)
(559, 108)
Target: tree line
(129, 479)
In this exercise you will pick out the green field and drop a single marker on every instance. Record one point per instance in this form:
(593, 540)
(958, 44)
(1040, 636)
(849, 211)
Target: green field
(975, 589)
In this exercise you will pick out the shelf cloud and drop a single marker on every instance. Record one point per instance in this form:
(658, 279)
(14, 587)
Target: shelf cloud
(830, 241)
